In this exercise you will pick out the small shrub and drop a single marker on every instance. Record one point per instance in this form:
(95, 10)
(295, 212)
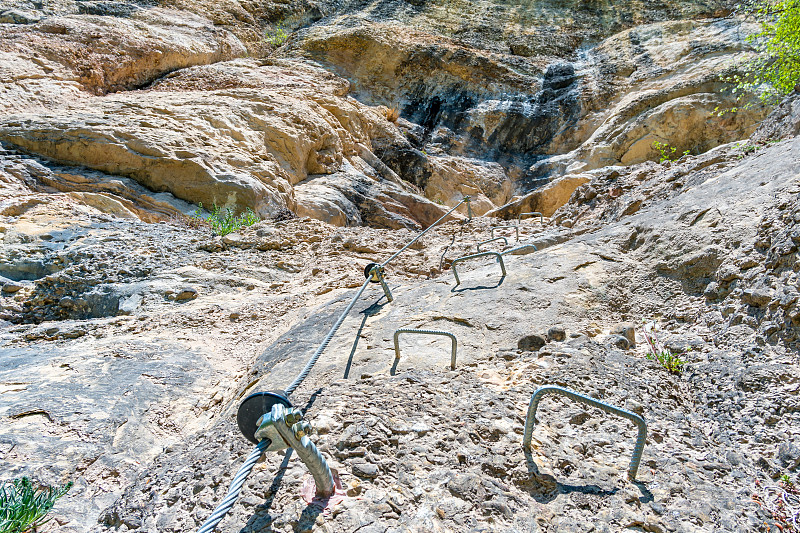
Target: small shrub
(668, 153)
(391, 113)
(276, 38)
(223, 224)
(665, 357)
(775, 70)
(23, 507)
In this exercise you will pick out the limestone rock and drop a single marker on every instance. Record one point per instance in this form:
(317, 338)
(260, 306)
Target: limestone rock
(62, 58)
(162, 138)
(545, 200)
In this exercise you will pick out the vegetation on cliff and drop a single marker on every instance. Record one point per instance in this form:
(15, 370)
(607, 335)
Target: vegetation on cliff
(775, 72)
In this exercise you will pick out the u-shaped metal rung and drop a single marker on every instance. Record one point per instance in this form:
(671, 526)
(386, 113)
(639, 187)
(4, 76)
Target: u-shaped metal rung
(427, 332)
(533, 214)
(636, 419)
(516, 227)
(487, 241)
(473, 256)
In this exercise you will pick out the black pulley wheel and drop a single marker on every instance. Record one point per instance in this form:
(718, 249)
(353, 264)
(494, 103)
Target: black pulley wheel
(367, 270)
(254, 407)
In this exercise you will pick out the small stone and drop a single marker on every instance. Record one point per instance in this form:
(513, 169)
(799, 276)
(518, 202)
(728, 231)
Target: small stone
(128, 305)
(189, 293)
(531, 343)
(11, 287)
(712, 290)
(365, 470)
(556, 333)
(619, 341)
(420, 428)
(18, 16)
(756, 297)
(627, 330)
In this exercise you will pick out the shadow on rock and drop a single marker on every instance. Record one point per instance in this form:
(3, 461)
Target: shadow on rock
(372, 310)
(480, 287)
(262, 519)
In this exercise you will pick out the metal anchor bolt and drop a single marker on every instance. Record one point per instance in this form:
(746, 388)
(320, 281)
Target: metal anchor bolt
(453, 348)
(532, 214)
(375, 273)
(468, 200)
(473, 256)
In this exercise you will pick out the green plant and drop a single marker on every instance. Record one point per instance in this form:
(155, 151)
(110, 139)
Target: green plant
(775, 70)
(223, 224)
(672, 361)
(668, 153)
(786, 480)
(276, 38)
(23, 507)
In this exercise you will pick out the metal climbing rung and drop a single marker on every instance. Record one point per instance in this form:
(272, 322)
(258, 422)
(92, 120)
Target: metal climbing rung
(636, 419)
(473, 256)
(487, 241)
(516, 228)
(532, 214)
(427, 332)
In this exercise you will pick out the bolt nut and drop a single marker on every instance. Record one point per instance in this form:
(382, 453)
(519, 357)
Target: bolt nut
(293, 416)
(301, 429)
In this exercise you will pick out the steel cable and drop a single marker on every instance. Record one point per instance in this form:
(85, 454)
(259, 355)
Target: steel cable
(235, 488)
(241, 476)
(423, 232)
(311, 362)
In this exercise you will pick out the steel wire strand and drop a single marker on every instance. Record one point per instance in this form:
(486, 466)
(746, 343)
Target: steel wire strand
(423, 232)
(311, 362)
(235, 488)
(241, 476)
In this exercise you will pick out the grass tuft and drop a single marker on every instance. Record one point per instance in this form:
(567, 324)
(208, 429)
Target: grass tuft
(23, 507)
(672, 361)
(224, 223)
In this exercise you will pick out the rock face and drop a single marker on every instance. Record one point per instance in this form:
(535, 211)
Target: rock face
(416, 445)
(62, 58)
(489, 113)
(227, 147)
(652, 83)
(129, 333)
